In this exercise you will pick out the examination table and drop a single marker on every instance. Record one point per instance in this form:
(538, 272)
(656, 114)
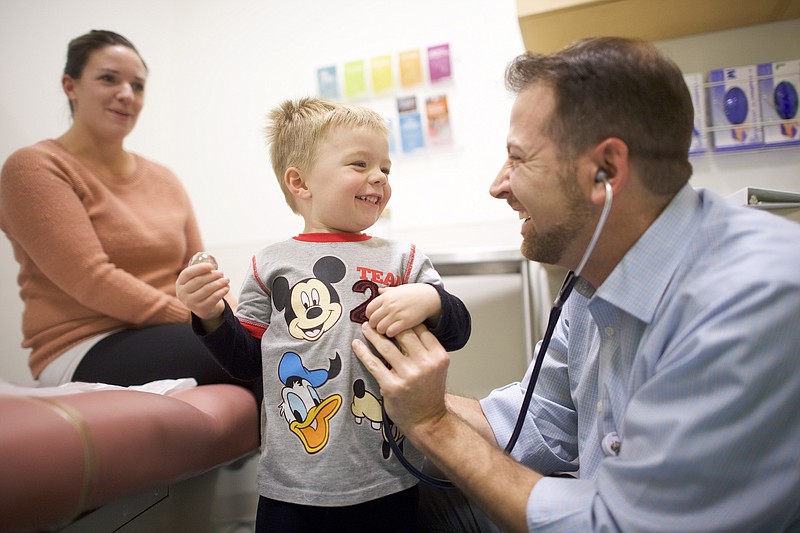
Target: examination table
(63, 456)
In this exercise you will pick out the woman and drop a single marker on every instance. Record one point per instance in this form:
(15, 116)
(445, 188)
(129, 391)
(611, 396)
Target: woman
(101, 234)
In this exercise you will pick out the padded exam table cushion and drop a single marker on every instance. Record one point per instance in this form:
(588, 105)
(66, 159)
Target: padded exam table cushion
(64, 455)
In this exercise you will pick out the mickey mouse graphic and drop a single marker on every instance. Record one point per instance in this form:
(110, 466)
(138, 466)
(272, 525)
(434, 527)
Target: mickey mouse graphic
(312, 304)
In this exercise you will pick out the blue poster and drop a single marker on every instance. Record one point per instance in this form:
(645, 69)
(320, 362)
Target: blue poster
(410, 121)
(327, 82)
(411, 131)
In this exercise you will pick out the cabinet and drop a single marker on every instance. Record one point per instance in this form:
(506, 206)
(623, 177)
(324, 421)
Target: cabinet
(547, 25)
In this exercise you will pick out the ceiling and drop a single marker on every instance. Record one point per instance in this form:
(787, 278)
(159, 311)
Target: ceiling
(547, 25)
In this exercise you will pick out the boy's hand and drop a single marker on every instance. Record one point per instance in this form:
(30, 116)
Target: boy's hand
(201, 288)
(399, 308)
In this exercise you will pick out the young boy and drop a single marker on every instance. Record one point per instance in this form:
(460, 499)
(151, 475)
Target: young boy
(324, 462)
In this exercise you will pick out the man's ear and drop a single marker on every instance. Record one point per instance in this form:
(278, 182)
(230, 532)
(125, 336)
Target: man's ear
(611, 158)
(296, 184)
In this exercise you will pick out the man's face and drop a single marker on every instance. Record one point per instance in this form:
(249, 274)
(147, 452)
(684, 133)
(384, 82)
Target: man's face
(542, 187)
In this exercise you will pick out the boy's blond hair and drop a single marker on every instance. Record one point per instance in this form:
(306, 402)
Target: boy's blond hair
(296, 128)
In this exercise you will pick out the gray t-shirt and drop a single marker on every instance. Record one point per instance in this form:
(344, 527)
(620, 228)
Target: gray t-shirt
(322, 443)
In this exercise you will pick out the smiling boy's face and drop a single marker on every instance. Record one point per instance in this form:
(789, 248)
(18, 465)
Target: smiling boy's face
(348, 186)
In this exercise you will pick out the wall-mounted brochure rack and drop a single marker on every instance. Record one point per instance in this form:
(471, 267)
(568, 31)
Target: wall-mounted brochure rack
(745, 108)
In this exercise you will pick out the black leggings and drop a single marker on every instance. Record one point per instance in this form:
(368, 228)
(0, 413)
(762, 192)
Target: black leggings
(169, 351)
(396, 513)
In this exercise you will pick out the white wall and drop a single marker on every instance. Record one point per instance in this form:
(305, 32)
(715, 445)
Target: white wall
(216, 67)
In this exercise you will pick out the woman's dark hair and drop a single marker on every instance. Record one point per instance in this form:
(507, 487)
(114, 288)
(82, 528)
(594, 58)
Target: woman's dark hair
(80, 48)
(615, 87)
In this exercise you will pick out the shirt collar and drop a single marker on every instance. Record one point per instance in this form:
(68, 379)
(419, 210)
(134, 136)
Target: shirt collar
(332, 237)
(638, 282)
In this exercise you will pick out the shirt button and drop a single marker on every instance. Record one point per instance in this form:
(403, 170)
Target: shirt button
(611, 444)
(609, 331)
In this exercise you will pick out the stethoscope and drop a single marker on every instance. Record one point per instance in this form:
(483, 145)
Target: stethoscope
(555, 313)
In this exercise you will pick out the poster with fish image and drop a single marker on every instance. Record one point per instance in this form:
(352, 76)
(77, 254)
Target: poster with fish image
(778, 87)
(735, 110)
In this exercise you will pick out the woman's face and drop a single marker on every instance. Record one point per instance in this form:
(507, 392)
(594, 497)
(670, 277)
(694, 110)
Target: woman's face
(107, 98)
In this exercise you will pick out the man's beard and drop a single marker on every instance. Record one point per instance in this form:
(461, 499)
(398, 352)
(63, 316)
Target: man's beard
(549, 247)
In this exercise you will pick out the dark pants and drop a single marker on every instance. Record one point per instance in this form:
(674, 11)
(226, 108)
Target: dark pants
(395, 513)
(448, 510)
(169, 351)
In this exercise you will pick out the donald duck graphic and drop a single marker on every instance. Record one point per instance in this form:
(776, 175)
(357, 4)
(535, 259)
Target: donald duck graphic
(307, 414)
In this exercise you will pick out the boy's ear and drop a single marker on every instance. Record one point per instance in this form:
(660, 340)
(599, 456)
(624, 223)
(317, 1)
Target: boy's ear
(296, 183)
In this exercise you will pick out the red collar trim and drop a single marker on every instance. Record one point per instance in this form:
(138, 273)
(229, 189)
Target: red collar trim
(332, 237)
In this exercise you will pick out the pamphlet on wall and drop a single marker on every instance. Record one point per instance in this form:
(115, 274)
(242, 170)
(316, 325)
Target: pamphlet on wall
(411, 134)
(439, 131)
(410, 68)
(328, 83)
(382, 75)
(439, 63)
(355, 84)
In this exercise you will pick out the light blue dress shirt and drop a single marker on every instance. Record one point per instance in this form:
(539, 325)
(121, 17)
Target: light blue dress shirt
(673, 390)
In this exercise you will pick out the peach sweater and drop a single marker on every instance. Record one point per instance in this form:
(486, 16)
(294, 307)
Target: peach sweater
(95, 254)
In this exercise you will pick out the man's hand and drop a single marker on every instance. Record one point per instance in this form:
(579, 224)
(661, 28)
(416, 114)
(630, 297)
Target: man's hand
(400, 308)
(413, 388)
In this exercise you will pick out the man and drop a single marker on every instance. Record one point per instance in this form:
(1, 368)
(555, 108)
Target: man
(671, 386)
